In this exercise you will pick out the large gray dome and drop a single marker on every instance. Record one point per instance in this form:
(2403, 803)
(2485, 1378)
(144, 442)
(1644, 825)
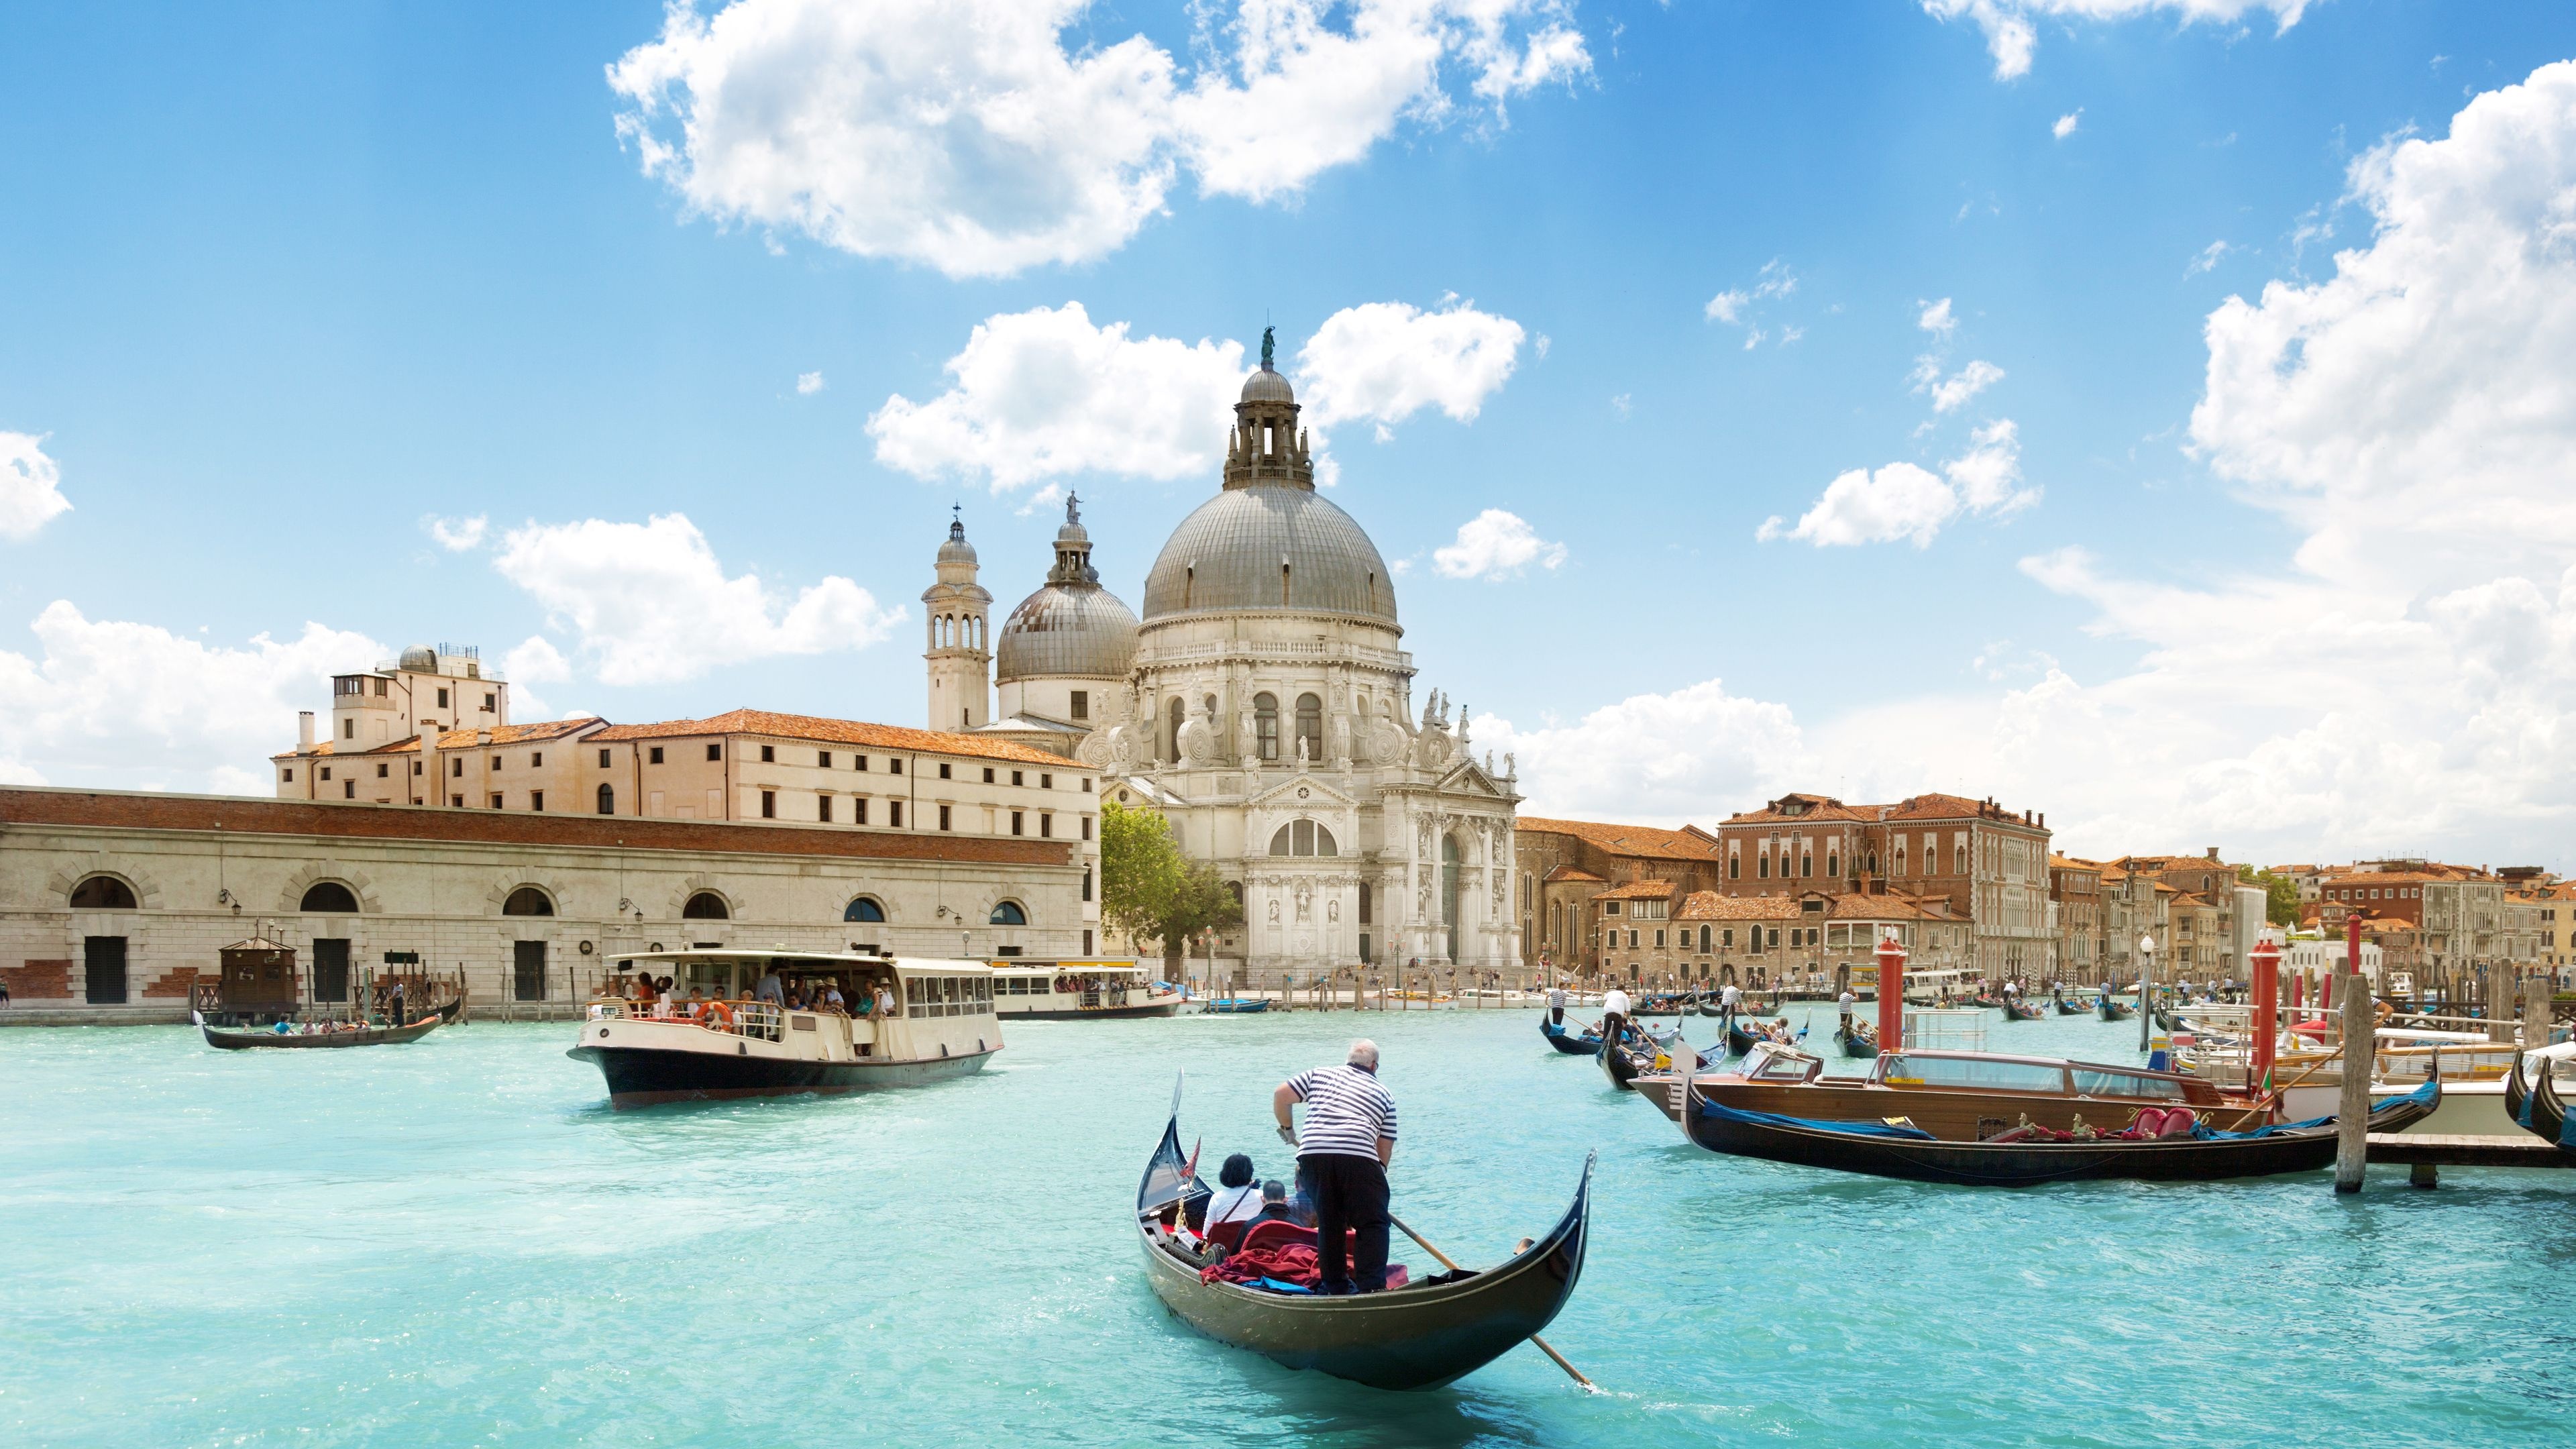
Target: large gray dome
(1066, 629)
(1230, 552)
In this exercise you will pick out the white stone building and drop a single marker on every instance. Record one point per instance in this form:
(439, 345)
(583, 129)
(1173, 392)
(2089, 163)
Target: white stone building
(1264, 704)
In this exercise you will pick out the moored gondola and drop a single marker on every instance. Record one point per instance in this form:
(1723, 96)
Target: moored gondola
(1896, 1148)
(2110, 1010)
(246, 1038)
(2548, 1110)
(1585, 1045)
(2517, 1093)
(1428, 1333)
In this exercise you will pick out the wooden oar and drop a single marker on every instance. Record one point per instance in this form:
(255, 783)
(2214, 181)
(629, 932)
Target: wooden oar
(1451, 1264)
(2283, 1090)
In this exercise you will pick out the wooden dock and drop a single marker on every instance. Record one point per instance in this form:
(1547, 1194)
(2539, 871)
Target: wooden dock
(2426, 1153)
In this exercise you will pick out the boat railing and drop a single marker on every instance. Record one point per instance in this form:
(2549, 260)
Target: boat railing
(763, 1020)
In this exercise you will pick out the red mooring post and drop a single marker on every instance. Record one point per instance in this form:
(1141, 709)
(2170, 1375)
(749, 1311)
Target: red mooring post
(2267, 1015)
(1891, 996)
(2352, 943)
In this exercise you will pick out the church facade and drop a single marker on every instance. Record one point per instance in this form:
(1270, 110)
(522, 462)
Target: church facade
(1264, 704)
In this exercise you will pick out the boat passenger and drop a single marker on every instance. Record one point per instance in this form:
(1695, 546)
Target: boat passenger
(832, 1001)
(1348, 1140)
(769, 990)
(1238, 1198)
(885, 999)
(1274, 1204)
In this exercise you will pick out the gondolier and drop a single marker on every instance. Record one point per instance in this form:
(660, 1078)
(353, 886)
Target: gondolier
(1556, 1003)
(1348, 1140)
(1847, 1001)
(1614, 1014)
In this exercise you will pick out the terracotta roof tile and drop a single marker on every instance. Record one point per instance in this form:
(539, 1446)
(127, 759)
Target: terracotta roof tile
(836, 731)
(1568, 873)
(1711, 906)
(1685, 844)
(465, 739)
(1639, 890)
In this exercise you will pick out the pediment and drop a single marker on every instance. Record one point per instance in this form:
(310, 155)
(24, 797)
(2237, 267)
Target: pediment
(1469, 778)
(1302, 792)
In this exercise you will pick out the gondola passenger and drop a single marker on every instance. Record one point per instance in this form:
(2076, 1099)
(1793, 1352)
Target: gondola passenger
(1238, 1197)
(1275, 1207)
(1348, 1140)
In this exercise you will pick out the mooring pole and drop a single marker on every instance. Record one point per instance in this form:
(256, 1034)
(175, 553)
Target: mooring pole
(2352, 1116)
(1891, 995)
(2535, 1012)
(2267, 1015)
(2146, 985)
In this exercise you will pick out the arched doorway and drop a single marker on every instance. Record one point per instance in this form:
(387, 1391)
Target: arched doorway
(1449, 891)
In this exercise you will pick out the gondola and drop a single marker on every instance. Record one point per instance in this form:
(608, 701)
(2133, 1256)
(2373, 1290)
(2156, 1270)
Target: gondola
(1895, 1148)
(2517, 1093)
(1585, 1045)
(2019, 1011)
(1989, 1003)
(2548, 1112)
(1855, 1045)
(2069, 1008)
(1421, 1336)
(1620, 1064)
(1710, 1008)
(2113, 1011)
(1738, 1040)
(2166, 1021)
(245, 1038)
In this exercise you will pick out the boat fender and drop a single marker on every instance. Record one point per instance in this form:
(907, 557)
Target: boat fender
(740, 1048)
(943, 1049)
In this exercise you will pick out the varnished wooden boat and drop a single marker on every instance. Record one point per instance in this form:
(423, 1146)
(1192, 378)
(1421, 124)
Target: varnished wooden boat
(1421, 1336)
(246, 1038)
(1588, 1044)
(1889, 1149)
(2111, 1010)
(1955, 1095)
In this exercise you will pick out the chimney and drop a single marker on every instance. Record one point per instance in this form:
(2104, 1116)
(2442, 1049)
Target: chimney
(2043, 820)
(304, 732)
(433, 786)
(2213, 852)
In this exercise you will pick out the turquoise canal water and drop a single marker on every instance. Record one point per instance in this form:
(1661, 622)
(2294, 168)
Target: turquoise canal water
(457, 1243)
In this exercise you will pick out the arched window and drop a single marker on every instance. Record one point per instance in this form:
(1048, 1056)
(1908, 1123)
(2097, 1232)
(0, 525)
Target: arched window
(1008, 913)
(1764, 868)
(528, 901)
(865, 908)
(706, 906)
(1833, 864)
(105, 893)
(1175, 714)
(607, 800)
(1302, 837)
(1310, 725)
(328, 895)
(1265, 724)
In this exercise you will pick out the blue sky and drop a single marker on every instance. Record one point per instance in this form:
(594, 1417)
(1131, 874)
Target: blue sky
(286, 283)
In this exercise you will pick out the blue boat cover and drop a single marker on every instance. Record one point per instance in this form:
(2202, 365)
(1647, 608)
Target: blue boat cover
(2426, 1095)
(1724, 1113)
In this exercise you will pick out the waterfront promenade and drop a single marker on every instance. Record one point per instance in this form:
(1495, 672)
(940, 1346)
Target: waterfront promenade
(459, 1243)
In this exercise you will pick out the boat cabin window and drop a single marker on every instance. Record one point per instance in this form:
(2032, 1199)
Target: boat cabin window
(929, 996)
(1768, 1066)
(1985, 1074)
(2099, 1082)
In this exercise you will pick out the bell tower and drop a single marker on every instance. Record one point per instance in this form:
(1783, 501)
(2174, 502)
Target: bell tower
(1265, 445)
(960, 653)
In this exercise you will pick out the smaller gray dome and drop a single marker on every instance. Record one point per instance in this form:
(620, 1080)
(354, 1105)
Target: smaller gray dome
(422, 658)
(1267, 386)
(1066, 629)
(956, 549)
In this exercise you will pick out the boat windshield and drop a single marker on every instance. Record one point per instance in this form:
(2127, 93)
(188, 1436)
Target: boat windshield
(1985, 1074)
(1768, 1065)
(2105, 1082)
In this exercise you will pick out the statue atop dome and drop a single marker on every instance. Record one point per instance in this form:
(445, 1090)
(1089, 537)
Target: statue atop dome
(1268, 334)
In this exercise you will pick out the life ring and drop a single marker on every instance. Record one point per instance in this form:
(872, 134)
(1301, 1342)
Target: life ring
(718, 1016)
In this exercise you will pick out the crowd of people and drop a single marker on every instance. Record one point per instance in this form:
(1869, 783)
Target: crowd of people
(656, 997)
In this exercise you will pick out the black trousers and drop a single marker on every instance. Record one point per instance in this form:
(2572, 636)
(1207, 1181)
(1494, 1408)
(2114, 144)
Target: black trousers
(1556, 1014)
(1350, 1192)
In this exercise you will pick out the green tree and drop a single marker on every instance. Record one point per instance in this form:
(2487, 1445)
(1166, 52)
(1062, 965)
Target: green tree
(1140, 870)
(2280, 894)
(1202, 902)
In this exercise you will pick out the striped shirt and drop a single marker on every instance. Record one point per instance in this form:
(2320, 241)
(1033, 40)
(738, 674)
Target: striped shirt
(1346, 1112)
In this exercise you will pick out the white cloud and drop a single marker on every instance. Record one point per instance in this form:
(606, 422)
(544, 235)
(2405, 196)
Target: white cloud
(31, 494)
(2208, 258)
(1955, 390)
(457, 535)
(1903, 501)
(808, 383)
(1383, 362)
(2404, 681)
(2012, 33)
(1696, 753)
(1044, 393)
(1937, 319)
(1494, 546)
(536, 661)
(1736, 305)
(1622, 404)
(652, 605)
(964, 135)
(1898, 501)
(136, 706)
(2067, 123)
(1727, 306)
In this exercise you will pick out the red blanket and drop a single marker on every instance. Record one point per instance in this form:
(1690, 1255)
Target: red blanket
(1289, 1263)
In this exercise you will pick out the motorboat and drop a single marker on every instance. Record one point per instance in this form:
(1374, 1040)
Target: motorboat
(1078, 991)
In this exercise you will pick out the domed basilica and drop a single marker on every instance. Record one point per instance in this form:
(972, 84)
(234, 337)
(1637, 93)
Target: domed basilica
(1264, 705)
